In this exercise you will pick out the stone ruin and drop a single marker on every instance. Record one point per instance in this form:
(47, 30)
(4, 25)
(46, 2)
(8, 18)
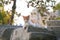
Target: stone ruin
(55, 26)
(9, 32)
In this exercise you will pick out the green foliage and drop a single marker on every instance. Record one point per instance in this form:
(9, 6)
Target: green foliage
(58, 18)
(1, 0)
(1, 16)
(57, 7)
(1, 5)
(4, 18)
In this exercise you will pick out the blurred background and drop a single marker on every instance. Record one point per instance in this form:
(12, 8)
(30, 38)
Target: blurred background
(39, 12)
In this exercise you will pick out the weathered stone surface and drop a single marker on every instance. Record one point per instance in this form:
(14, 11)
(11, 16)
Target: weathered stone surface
(53, 23)
(31, 33)
(55, 26)
(6, 31)
(41, 34)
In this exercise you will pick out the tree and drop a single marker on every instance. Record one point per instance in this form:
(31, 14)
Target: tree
(13, 11)
(41, 6)
(4, 17)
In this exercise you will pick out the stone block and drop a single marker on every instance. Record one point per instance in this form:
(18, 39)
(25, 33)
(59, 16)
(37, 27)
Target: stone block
(53, 23)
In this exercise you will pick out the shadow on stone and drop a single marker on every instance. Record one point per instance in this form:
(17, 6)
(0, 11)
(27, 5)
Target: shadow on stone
(7, 33)
(41, 34)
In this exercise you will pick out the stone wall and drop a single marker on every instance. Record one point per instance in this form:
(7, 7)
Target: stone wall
(53, 23)
(31, 33)
(55, 26)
